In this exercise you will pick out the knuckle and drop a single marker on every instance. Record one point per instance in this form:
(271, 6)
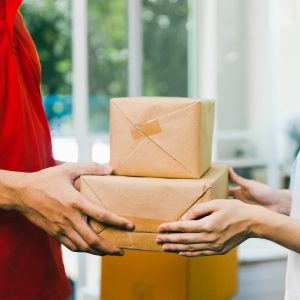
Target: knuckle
(190, 248)
(212, 238)
(66, 219)
(100, 215)
(94, 243)
(168, 239)
(208, 227)
(59, 232)
(184, 240)
(182, 228)
(74, 204)
(193, 211)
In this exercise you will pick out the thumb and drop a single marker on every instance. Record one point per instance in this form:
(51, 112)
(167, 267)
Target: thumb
(200, 211)
(79, 169)
(77, 184)
(238, 180)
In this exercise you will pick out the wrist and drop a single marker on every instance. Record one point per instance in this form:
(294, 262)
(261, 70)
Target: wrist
(10, 185)
(283, 202)
(265, 222)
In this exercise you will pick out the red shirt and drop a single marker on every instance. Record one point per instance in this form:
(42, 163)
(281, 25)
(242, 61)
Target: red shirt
(31, 264)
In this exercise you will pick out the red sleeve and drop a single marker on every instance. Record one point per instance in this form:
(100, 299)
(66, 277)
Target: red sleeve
(2, 10)
(10, 7)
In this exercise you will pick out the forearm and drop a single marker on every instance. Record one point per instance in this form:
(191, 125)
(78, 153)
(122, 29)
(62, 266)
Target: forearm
(9, 183)
(276, 227)
(283, 202)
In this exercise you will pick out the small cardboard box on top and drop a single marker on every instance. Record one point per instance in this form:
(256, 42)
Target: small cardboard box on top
(161, 136)
(149, 202)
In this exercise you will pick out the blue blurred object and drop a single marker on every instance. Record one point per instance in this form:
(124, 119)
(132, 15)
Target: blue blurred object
(72, 284)
(58, 109)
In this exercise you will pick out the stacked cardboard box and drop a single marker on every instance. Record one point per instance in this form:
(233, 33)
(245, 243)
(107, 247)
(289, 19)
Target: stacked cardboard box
(167, 143)
(161, 156)
(149, 202)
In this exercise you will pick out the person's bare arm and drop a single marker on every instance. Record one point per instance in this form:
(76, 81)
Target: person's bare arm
(49, 199)
(217, 226)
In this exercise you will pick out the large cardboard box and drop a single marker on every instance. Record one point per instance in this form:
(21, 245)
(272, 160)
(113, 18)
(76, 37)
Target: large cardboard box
(163, 276)
(161, 137)
(149, 202)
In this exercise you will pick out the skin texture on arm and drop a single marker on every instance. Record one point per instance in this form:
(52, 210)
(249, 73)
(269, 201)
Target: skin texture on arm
(217, 226)
(49, 199)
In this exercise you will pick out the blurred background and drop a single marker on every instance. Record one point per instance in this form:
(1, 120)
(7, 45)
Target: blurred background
(245, 54)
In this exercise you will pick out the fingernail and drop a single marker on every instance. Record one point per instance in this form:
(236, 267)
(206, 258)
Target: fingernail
(130, 226)
(158, 241)
(107, 169)
(161, 229)
(166, 247)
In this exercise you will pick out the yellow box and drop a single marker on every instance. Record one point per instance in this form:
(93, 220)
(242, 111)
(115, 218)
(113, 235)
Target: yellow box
(163, 276)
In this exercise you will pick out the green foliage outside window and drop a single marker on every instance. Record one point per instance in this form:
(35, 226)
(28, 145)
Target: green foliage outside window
(50, 27)
(108, 56)
(165, 47)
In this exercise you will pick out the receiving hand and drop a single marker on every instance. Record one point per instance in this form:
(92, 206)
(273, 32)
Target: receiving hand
(210, 228)
(49, 200)
(253, 192)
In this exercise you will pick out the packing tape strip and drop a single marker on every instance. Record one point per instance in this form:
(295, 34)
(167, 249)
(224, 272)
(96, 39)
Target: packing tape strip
(149, 128)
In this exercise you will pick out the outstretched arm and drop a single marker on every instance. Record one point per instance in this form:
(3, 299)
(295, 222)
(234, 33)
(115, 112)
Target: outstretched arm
(217, 226)
(49, 200)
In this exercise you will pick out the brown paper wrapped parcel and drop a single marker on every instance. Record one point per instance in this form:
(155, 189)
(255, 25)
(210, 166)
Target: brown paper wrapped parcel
(161, 137)
(149, 202)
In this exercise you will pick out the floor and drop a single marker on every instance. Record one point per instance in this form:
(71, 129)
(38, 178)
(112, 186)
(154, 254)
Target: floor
(262, 281)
